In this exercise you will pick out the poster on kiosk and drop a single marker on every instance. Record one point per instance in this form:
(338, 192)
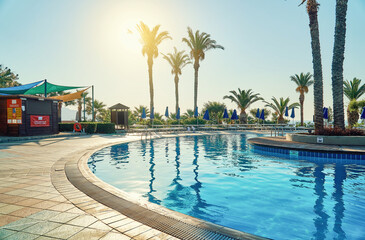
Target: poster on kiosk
(14, 110)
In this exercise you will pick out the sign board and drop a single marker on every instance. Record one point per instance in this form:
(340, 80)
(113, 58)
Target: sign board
(14, 111)
(319, 139)
(39, 121)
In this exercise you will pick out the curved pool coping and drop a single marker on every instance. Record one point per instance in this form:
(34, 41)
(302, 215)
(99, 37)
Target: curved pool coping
(158, 217)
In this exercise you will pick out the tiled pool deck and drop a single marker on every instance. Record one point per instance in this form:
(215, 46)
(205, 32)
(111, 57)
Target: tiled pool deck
(38, 200)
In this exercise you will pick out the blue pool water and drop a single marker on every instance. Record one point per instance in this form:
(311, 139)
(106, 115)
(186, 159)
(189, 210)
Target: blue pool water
(221, 179)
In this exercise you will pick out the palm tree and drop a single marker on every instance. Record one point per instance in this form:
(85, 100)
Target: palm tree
(177, 60)
(8, 78)
(98, 108)
(312, 9)
(337, 63)
(353, 91)
(150, 39)
(214, 108)
(243, 99)
(137, 112)
(199, 43)
(188, 114)
(279, 107)
(303, 81)
(80, 102)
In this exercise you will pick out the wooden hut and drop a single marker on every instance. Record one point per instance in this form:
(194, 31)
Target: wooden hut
(119, 115)
(23, 115)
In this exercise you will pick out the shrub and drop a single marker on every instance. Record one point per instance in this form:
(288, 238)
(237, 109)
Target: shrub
(105, 128)
(66, 127)
(192, 121)
(340, 132)
(157, 122)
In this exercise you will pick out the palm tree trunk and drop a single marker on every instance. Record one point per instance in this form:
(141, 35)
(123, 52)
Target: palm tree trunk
(337, 64)
(177, 92)
(301, 101)
(79, 111)
(150, 63)
(243, 117)
(281, 119)
(312, 8)
(352, 117)
(59, 111)
(196, 68)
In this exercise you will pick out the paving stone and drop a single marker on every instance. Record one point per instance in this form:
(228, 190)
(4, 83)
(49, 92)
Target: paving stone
(6, 232)
(24, 212)
(22, 236)
(5, 219)
(100, 225)
(89, 234)
(64, 231)
(64, 217)
(115, 236)
(41, 228)
(44, 215)
(82, 221)
(9, 208)
(20, 224)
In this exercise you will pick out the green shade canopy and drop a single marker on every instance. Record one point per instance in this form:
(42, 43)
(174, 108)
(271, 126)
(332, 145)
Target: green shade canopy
(50, 89)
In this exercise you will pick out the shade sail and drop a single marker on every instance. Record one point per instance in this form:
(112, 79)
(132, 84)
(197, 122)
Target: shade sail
(50, 88)
(71, 96)
(19, 89)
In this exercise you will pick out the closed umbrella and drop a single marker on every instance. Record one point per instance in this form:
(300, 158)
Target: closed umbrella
(258, 113)
(234, 115)
(178, 114)
(325, 113)
(362, 116)
(206, 115)
(292, 115)
(225, 114)
(262, 115)
(152, 113)
(286, 112)
(143, 113)
(167, 112)
(196, 114)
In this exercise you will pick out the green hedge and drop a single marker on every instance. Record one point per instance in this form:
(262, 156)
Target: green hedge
(90, 127)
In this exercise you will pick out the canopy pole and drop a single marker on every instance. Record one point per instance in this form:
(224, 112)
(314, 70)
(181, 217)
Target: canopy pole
(45, 88)
(84, 109)
(93, 103)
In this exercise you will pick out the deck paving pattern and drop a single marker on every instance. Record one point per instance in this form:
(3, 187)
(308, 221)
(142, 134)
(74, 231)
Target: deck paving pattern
(38, 201)
(32, 208)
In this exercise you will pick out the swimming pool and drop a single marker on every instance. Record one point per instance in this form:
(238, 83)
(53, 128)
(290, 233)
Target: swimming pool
(221, 179)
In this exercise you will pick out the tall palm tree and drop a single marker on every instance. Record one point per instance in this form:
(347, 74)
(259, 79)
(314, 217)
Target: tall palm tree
(279, 107)
(150, 39)
(312, 9)
(353, 91)
(199, 43)
(253, 113)
(303, 81)
(337, 63)
(243, 99)
(177, 60)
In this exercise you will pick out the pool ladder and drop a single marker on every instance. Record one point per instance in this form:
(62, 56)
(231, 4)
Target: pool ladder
(277, 131)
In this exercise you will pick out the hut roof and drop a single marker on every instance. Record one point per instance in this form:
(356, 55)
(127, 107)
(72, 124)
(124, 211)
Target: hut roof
(119, 106)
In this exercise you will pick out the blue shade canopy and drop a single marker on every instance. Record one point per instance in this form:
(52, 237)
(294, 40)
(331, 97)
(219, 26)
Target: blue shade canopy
(196, 114)
(206, 115)
(225, 114)
(234, 115)
(362, 116)
(152, 113)
(167, 112)
(286, 112)
(143, 113)
(258, 113)
(292, 115)
(262, 115)
(19, 89)
(325, 113)
(178, 114)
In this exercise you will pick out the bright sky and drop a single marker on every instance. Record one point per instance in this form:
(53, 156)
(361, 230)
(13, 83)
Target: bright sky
(85, 43)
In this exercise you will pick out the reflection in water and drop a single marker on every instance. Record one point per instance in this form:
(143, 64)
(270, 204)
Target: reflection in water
(321, 221)
(339, 208)
(219, 179)
(150, 196)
